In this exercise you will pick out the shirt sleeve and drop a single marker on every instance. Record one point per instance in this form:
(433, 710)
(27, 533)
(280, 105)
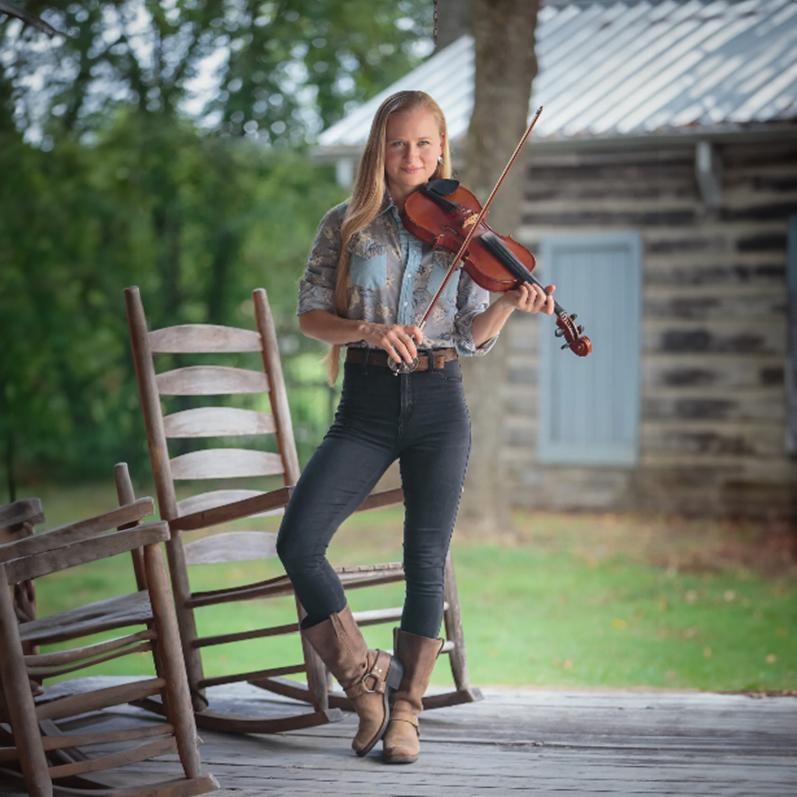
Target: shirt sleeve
(472, 300)
(317, 286)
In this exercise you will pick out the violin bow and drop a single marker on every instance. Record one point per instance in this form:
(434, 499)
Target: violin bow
(473, 225)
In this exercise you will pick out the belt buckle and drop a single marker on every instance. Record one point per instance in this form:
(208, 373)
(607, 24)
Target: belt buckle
(402, 367)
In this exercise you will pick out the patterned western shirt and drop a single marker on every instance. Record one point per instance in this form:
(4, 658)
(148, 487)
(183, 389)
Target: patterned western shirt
(392, 278)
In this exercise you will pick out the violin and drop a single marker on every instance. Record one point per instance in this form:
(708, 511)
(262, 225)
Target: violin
(443, 213)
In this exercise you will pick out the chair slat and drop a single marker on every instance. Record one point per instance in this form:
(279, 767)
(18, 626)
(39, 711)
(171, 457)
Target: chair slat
(112, 760)
(74, 533)
(203, 339)
(231, 546)
(225, 463)
(210, 380)
(76, 654)
(217, 422)
(103, 615)
(99, 698)
(90, 550)
(214, 498)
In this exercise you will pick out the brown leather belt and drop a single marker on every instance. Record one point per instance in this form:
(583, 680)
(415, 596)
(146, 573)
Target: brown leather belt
(435, 360)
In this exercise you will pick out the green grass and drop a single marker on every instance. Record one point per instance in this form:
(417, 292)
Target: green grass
(562, 601)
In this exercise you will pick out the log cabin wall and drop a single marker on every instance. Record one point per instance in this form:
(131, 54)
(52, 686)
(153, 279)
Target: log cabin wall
(713, 409)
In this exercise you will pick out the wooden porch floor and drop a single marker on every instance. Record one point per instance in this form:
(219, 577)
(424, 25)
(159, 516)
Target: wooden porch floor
(519, 742)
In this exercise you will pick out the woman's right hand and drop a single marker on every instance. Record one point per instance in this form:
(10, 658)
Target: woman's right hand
(399, 341)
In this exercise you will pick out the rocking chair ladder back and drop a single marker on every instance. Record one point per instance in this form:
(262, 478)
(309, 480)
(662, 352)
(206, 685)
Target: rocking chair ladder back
(266, 415)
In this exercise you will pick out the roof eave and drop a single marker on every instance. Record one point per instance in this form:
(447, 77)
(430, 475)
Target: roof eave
(746, 133)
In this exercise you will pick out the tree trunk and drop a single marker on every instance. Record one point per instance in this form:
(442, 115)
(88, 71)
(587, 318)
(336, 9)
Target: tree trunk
(452, 20)
(503, 32)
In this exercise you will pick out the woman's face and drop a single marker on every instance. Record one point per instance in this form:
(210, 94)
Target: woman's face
(413, 143)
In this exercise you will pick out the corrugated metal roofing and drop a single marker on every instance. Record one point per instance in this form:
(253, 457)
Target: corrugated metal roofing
(609, 69)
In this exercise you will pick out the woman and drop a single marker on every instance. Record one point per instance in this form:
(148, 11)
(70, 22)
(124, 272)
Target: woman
(367, 282)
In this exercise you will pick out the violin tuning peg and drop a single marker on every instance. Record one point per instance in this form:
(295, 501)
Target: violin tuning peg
(558, 332)
(564, 346)
(574, 316)
(580, 329)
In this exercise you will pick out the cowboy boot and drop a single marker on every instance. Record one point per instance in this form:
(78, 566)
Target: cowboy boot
(418, 654)
(367, 676)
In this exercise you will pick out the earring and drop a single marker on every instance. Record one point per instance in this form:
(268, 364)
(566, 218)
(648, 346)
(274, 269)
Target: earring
(439, 159)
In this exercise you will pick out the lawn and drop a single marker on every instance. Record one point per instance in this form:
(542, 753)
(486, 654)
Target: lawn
(563, 600)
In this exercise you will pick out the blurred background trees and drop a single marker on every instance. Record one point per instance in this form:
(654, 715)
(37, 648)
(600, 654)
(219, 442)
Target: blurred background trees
(163, 144)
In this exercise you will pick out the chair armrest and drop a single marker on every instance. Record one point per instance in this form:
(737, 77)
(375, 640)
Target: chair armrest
(61, 555)
(384, 498)
(73, 533)
(26, 510)
(233, 511)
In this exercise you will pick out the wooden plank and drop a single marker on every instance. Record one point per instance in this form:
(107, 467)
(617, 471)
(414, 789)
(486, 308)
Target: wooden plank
(714, 439)
(25, 510)
(242, 636)
(225, 463)
(50, 659)
(731, 338)
(104, 736)
(217, 498)
(240, 507)
(254, 675)
(113, 760)
(384, 498)
(203, 339)
(74, 533)
(763, 307)
(706, 370)
(100, 698)
(17, 699)
(231, 546)
(90, 550)
(217, 422)
(210, 380)
(272, 587)
(616, 742)
(117, 612)
(764, 405)
(176, 695)
(272, 364)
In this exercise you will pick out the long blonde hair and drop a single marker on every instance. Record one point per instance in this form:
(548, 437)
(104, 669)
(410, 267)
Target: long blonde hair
(369, 191)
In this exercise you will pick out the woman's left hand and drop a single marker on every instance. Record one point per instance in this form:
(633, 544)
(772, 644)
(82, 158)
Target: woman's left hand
(531, 298)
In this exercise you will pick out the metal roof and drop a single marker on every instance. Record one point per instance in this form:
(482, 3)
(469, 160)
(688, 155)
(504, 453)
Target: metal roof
(611, 69)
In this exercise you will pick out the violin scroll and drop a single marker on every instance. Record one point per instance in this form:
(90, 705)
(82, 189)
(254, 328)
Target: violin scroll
(576, 341)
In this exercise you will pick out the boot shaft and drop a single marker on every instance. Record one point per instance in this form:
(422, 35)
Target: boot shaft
(418, 654)
(341, 646)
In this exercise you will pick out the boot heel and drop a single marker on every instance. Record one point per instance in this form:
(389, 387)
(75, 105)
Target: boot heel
(395, 673)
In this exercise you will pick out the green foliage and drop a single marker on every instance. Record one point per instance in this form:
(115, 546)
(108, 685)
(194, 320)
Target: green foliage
(161, 145)
(195, 223)
(273, 69)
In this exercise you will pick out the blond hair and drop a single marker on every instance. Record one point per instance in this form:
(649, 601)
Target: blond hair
(369, 191)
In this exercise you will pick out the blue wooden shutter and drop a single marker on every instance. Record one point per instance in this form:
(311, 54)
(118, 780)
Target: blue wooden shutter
(589, 407)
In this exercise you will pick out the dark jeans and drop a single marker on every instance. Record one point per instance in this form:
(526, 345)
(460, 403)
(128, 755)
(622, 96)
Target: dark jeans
(422, 420)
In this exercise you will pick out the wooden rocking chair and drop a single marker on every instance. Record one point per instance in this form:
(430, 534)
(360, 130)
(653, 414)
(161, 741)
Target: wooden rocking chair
(264, 417)
(52, 737)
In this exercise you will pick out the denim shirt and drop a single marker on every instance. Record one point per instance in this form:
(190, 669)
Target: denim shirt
(392, 278)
